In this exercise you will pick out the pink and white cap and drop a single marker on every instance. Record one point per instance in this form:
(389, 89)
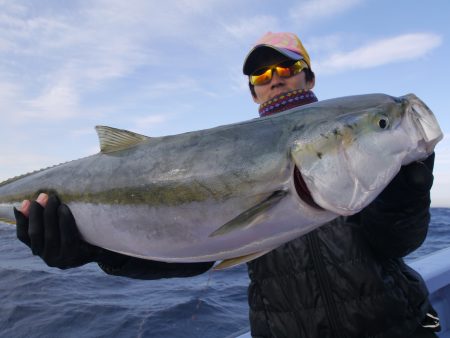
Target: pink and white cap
(273, 45)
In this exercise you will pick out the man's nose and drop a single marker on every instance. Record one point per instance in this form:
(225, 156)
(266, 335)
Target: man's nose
(276, 79)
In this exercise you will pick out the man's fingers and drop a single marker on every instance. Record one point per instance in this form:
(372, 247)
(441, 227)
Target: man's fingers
(36, 228)
(42, 199)
(419, 176)
(25, 208)
(429, 162)
(52, 242)
(49, 229)
(70, 237)
(22, 227)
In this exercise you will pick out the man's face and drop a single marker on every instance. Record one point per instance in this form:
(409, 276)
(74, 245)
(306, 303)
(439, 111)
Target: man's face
(279, 85)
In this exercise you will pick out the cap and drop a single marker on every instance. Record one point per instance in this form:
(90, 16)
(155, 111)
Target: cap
(273, 48)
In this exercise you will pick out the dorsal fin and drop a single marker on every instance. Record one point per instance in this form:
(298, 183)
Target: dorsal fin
(112, 139)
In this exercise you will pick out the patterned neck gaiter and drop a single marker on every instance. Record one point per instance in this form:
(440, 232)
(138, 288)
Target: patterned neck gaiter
(287, 101)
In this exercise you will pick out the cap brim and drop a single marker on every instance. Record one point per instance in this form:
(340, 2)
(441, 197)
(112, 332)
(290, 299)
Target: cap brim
(266, 55)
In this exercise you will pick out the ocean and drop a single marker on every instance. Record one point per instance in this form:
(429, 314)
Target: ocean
(38, 301)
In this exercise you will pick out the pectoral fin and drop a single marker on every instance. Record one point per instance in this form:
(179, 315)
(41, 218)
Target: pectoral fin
(252, 215)
(228, 263)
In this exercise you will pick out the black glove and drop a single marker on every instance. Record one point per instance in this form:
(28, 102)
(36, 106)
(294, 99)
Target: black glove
(52, 234)
(396, 222)
(410, 187)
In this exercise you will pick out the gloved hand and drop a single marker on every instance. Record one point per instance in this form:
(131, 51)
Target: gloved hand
(410, 186)
(396, 222)
(49, 229)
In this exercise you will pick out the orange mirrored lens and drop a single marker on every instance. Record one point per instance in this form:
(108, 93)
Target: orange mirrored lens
(283, 71)
(264, 75)
(263, 78)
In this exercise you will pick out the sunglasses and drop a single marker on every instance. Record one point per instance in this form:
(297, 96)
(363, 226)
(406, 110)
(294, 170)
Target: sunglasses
(285, 69)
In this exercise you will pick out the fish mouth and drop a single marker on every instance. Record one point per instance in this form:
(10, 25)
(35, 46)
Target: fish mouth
(426, 123)
(302, 190)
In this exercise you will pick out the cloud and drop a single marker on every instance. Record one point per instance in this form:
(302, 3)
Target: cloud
(65, 56)
(149, 121)
(59, 101)
(324, 44)
(181, 84)
(70, 52)
(249, 29)
(310, 11)
(400, 48)
(5, 45)
(9, 93)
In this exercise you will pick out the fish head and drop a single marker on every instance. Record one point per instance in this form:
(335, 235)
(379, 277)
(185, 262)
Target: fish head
(346, 161)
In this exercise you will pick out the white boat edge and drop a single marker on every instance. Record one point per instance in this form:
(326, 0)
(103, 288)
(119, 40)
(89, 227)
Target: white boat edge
(435, 270)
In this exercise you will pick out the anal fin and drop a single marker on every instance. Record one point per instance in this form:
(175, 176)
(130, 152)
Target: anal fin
(228, 263)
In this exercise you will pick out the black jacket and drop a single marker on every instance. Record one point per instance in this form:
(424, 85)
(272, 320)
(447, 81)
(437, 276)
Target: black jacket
(345, 279)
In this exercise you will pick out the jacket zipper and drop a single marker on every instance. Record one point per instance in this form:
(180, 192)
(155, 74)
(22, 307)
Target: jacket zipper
(324, 284)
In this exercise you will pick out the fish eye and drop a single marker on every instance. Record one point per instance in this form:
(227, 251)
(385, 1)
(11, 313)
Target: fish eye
(383, 122)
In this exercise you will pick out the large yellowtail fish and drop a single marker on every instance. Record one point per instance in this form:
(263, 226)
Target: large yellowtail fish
(233, 192)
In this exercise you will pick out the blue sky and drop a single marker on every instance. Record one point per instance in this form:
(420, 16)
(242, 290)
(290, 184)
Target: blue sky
(162, 68)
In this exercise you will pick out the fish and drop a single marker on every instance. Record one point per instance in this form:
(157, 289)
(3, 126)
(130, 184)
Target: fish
(235, 192)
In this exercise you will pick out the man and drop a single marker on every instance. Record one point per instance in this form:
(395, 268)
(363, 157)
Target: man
(345, 279)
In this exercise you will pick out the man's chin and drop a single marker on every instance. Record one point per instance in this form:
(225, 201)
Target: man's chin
(278, 92)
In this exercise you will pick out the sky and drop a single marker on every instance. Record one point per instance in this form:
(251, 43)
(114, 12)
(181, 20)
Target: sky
(167, 67)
